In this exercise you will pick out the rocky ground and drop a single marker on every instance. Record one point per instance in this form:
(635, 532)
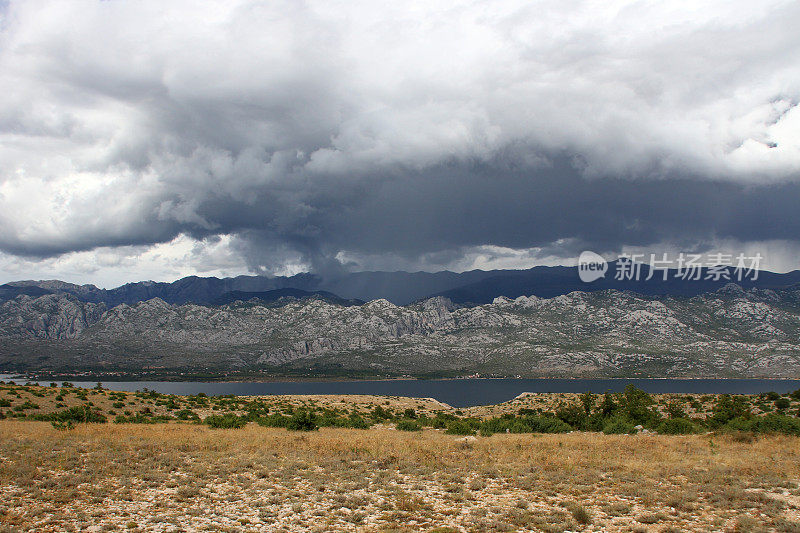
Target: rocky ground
(181, 477)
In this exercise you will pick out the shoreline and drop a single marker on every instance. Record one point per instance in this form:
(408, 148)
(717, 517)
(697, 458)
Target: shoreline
(171, 378)
(117, 377)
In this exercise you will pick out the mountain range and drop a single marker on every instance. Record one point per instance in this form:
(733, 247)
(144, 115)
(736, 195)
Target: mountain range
(470, 288)
(728, 332)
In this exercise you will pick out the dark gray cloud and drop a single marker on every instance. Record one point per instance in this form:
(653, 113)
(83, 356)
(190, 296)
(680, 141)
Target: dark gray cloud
(330, 136)
(457, 207)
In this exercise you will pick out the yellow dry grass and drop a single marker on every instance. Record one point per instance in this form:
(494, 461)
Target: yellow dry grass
(183, 477)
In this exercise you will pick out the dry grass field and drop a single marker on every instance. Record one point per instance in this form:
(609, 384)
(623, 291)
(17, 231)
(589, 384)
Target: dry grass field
(189, 477)
(172, 471)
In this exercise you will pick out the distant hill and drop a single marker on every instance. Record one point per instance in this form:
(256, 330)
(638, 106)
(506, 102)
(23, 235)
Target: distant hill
(475, 287)
(9, 292)
(400, 288)
(547, 282)
(283, 296)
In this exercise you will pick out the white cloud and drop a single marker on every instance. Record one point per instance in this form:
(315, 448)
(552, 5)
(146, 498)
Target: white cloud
(110, 267)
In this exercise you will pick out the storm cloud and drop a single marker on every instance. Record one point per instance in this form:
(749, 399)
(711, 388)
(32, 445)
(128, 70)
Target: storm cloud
(327, 135)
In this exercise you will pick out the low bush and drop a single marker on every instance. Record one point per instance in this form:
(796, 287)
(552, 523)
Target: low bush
(441, 420)
(495, 425)
(770, 423)
(574, 415)
(675, 409)
(187, 414)
(459, 427)
(547, 424)
(273, 421)
(781, 404)
(301, 421)
(728, 408)
(78, 413)
(524, 424)
(226, 421)
(408, 425)
(356, 422)
(618, 426)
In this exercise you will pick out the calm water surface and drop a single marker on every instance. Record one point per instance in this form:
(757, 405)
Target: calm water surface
(455, 392)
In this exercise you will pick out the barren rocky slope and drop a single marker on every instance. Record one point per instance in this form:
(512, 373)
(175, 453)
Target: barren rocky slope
(730, 332)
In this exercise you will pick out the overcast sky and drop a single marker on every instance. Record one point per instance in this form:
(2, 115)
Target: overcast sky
(151, 139)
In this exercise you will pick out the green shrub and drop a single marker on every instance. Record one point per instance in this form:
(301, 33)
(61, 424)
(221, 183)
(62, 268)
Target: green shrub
(595, 422)
(273, 421)
(301, 420)
(587, 400)
(770, 423)
(4, 403)
(618, 426)
(526, 424)
(78, 413)
(226, 421)
(520, 425)
(781, 404)
(459, 427)
(547, 424)
(495, 425)
(356, 422)
(608, 406)
(727, 408)
(408, 425)
(675, 409)
(26, 405)
(775, 423)
(187, 414)
(636, 406)
(379, 413)
(441, 420)
(574, 415)
(677, 426)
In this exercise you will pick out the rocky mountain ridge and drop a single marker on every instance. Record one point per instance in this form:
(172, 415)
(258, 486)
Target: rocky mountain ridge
(729, 332)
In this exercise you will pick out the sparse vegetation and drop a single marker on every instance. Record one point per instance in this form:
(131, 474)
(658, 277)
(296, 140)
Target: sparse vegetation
(101, 476)
(409, 425)
(227, 421)
(746, 449)
(622, 413)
